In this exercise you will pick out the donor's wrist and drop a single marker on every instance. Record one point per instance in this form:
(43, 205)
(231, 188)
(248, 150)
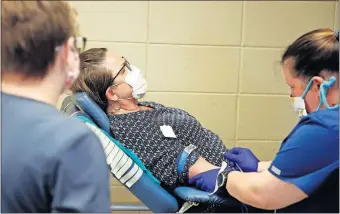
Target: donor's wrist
(201, 165)
(222, 178)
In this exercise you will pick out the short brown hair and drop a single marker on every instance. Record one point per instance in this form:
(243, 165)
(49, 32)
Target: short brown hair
(31, 30)
(94, 78)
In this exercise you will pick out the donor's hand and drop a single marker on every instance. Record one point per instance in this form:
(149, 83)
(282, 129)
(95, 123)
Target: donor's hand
(205, 181)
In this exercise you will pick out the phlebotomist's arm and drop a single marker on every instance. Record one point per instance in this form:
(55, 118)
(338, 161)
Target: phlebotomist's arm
(309, 155)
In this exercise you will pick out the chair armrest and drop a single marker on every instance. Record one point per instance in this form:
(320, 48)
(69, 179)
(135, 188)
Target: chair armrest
(194, 195)
(157, 199)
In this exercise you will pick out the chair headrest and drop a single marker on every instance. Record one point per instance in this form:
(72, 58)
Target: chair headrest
(89, 107)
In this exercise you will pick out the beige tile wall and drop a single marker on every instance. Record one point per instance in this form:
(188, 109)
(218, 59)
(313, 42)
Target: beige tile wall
(217, 60)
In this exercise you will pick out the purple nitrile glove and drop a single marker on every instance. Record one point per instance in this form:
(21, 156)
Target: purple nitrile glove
(243, 157)
(205, 181)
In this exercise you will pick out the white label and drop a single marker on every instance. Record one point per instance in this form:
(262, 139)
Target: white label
(276, 170)
(167, 131)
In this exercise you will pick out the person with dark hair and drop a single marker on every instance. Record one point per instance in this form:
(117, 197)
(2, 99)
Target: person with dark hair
(48, 162)
(170, 142)
(304, 175)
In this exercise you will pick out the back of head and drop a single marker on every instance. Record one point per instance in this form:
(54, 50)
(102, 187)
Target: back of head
(95, 77)
(31, 31)
(314, 52)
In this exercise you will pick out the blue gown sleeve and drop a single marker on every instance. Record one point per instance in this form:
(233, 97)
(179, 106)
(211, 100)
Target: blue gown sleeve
(308, 155)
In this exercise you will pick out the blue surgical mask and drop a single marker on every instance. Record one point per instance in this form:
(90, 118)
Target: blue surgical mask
(298, 103)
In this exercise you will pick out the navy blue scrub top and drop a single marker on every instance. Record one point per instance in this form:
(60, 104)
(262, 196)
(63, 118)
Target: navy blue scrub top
(49, 163)
(310, 154)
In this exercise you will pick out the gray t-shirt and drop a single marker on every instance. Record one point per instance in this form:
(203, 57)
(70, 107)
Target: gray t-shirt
(49, 163)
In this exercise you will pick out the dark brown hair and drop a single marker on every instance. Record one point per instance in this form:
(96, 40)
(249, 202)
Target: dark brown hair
(94, 78)
(31, 30)
(315, 51)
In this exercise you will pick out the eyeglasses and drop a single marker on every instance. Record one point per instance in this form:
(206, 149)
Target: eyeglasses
(125, 64)
(79, 44)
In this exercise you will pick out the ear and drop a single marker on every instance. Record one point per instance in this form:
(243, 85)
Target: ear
(110, 95)
(63, 52)
(317, 81)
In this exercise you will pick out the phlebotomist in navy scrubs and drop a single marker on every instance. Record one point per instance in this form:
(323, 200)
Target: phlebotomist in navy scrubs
(304, 175)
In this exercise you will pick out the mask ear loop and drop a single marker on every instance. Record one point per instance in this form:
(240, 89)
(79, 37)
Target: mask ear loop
(323, 92)
(120, 105)
(307, 89)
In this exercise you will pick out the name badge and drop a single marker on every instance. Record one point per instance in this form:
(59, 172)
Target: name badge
(167, 131)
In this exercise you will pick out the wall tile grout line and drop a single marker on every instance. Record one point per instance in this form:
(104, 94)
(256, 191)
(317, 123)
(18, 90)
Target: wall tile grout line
(147, 40)
(239, 81)
(259, 140)
(218, 93)
(335, 16)
(190, 45)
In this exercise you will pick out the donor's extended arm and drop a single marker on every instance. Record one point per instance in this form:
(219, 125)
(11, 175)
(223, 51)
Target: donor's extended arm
(201, 165)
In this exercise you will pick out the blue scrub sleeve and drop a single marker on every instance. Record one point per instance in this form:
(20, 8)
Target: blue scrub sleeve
(81, 183)
(307, 156)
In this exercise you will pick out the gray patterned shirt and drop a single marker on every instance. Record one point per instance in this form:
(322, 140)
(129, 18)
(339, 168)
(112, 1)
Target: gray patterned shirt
(140, 131)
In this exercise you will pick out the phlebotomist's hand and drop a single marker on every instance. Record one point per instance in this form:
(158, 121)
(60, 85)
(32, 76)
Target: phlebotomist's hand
(243, 157)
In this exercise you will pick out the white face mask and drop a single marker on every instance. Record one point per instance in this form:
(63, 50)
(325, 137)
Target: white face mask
(135, 79)
(299, 105)
(71, 78)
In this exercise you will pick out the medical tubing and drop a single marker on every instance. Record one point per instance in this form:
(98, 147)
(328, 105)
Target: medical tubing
(307, 89)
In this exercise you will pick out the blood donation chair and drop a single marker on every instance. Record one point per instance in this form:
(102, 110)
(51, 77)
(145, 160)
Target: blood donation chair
(126, 167)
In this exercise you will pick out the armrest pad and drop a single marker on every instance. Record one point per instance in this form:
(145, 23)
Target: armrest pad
(157, 199)
(194, 195)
